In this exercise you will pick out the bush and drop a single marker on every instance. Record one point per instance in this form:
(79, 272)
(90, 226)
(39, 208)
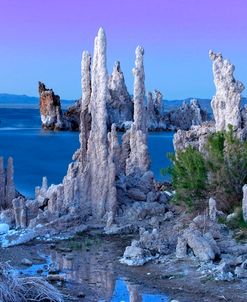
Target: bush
(226, 163)
(189, 176)
(220, 172)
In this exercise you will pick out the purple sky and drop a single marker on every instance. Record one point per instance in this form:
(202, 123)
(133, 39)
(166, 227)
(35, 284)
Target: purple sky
(43, 40)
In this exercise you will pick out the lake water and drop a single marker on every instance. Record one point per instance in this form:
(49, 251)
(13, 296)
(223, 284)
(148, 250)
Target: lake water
(39, 153)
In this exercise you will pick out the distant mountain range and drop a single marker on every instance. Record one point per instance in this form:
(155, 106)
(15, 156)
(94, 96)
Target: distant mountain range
(173, 104)
(24, 101)
(30, 102)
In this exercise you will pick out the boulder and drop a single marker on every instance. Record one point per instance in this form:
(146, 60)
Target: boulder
(4, 228)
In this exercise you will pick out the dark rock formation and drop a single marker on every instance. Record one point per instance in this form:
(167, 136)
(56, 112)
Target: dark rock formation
(51, 114)
(50, 108)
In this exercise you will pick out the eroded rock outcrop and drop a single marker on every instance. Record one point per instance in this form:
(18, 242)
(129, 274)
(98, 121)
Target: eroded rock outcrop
(138, 161)
(196, 137)
(244, 203)
(225, 105)
(226, 102)
(52, 116)
(155, 112)
(7, 186)
(120, 107)
(50, 108)
(187, 115)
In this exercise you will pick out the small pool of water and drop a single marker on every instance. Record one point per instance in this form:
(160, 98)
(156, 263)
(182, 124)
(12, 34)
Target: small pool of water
(93, 270)
(127, 292)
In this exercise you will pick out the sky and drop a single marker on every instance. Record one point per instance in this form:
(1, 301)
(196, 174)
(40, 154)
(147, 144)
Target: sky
(42, 40)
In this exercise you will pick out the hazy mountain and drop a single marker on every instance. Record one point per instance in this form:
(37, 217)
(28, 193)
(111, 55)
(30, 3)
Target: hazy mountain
(24, 101)
(172, 104)
(30, 102)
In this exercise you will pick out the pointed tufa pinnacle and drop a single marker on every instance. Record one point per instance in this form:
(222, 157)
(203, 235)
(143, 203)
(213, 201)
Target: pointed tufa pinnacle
(10, 186)
(85, 116)
(138, 161)
(2, 184)
(227, 99)
(44, 183)
(139, 91)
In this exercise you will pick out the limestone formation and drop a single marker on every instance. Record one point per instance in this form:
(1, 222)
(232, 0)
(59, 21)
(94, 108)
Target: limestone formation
(156, 119)
(212, 209)
(226, 102)
(244, 203)
(139, 91)
(2, 184)
(119, 105)
(85, 116)
(187, 115)
(138, 160)
(20, 211)
(7, 186)
(196, 137)
(225, 105)
(10, 186)
(101, 167)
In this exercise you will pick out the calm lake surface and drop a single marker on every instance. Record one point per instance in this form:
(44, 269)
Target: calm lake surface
(39, 153)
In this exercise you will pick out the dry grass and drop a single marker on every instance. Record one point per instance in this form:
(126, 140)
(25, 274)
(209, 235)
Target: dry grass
(28, 289)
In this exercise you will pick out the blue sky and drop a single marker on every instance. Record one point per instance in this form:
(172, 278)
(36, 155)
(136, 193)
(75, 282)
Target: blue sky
(43, 40)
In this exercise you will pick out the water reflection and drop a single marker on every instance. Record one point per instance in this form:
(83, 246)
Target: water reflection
(95, 269)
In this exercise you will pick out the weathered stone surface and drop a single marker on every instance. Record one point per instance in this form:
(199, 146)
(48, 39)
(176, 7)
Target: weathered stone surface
(196, 137)
(119, 106)
(136, 194)
(4, 228)
(226, 102)
(51, 114)
(181, 248)
(225, 105)
(212, 208)
(135, 255)
(7, 185)
(7, 216)
(20, 211)
(139, 91)
(186, 116)
(200, 245)
(244, 203)
(155, 112)
(2, 184)
(50, 108)
(142, 210)
(241, 272)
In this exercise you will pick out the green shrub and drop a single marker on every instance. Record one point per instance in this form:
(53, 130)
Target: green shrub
(220, 172)
(226, 163)
(189, 176)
